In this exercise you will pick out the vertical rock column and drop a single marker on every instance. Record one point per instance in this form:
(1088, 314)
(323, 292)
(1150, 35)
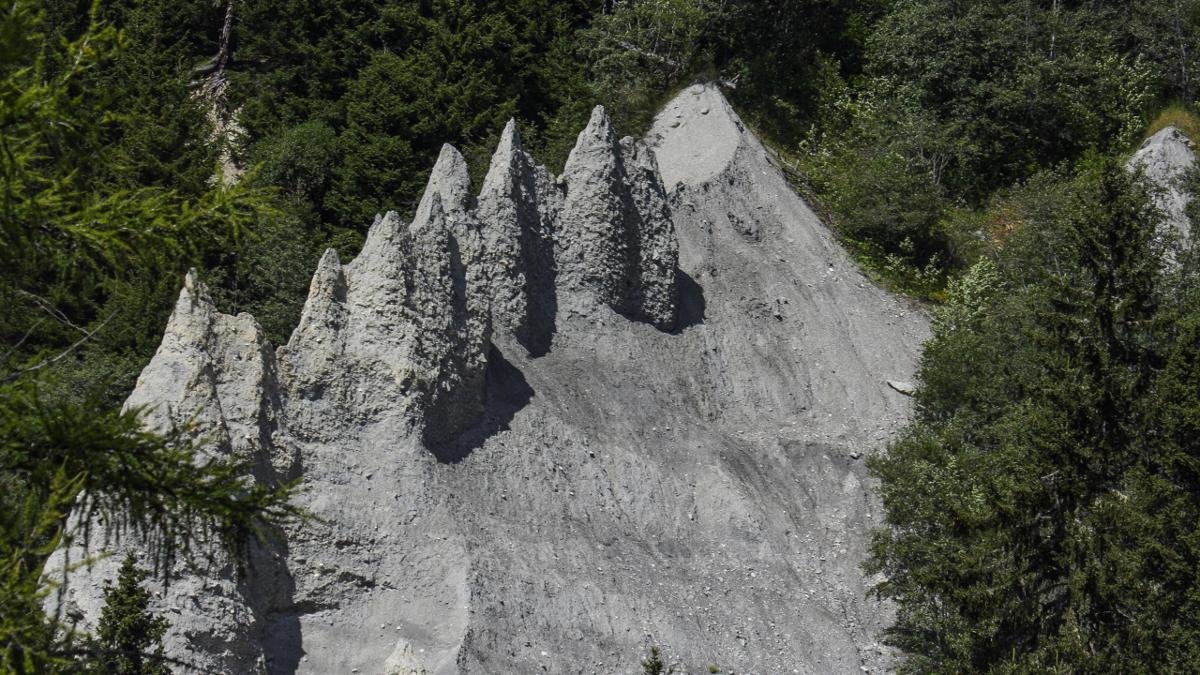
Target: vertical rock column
(1166, 158)
(517, 209)
(455, 317)
(400, 335)
(593, 246)
(449, 354)
(615, 242)
(213, 375)
(657, 298)
(346, 364)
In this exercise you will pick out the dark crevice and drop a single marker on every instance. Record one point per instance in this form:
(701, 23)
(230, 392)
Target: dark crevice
(536, 333)
(537, 329)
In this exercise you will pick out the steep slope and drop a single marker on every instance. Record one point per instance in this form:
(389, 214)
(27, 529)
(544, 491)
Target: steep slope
(568, 419)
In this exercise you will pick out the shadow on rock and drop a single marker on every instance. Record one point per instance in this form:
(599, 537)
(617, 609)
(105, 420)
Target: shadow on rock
(506, 394)
(273, 593)
(691, 302)
(536, 334)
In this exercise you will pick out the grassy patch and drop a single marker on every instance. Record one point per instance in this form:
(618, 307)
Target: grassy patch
(1181, 116)
(891, 272)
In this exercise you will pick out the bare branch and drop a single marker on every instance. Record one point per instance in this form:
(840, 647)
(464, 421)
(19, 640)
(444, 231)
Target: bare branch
(57, 357)
(50, 309)
(650, 55)
(13, 349)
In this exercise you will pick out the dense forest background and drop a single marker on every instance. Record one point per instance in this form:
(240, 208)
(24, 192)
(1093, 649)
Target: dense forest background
(967, 151)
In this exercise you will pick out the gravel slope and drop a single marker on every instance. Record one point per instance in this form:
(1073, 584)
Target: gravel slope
(704, 489)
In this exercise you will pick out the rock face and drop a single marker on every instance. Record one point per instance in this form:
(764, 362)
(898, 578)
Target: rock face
(214, 375)
(520, 204)
(549, 426)
(1166, 158)
(615, 243)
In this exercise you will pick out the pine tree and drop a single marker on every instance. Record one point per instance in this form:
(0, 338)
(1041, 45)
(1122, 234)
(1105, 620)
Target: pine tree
(1041, 510)
(653, 665)
(129, 637)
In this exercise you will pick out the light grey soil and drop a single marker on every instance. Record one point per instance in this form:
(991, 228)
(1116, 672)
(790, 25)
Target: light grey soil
(686, 473)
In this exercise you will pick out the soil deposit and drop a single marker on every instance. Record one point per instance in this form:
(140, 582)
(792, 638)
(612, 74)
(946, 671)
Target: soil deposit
(550, 425)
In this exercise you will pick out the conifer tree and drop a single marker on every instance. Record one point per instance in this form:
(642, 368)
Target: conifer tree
(72, 239)
(653, 664)
(1041, 510)
(129, 637)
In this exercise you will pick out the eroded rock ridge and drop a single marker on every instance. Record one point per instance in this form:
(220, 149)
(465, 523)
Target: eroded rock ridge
(392, 349)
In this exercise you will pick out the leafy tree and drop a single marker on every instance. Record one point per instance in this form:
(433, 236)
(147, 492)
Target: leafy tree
(1025, 84)
(128, 636)
(641, 50)
(959, 100)
(881, 176)
(775, 50)
(301, 160)
(1039, 516)
(1168, 33)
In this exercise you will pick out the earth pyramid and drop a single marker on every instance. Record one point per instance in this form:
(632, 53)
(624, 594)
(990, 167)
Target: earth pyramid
(546, 426)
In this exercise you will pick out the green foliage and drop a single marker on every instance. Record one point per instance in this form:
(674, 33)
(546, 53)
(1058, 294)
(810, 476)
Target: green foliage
(1166, 33)
(776, 50)
(881, 194)
(641, 50)
(28, 642)
(399, 111)
(959, 100)
(90, 239)
(301, 160)
(57, 457)
(79, 225)
(653, 664)
(1177, 115)
(268, 275)
(1039, 512)
(394, 82)
(128, 637)
(141, 481)
(1024, 85)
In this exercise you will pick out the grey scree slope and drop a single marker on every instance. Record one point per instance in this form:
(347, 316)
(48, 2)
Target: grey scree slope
(535, 445)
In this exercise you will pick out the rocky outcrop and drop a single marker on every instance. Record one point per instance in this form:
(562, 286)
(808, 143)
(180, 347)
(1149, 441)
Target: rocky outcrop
(213, 376)
(655, 246)
(401, 334)
(1166, 158)
(547, 426)
(616, 242)
(518, 209)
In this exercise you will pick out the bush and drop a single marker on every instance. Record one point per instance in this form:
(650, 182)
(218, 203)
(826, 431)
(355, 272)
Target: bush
(300, 159)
